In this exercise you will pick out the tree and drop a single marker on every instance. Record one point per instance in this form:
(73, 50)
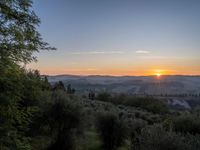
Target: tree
(10, 116)
(70, 90)
(47, 85)
(64, 121)
(104, 96)
(19, 89)
(18, 35)
(19, 94)
(59, 86)
(112, 131)
(91, 95)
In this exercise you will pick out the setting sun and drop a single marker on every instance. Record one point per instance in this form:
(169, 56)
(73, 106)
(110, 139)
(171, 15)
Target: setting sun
(158, 74)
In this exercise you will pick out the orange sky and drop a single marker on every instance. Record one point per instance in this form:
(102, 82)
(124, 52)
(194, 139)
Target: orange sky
(132, 63)
(117, 68)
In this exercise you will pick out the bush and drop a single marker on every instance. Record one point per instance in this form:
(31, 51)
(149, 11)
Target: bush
(63, 118)
(112, 131)
(59, 86)
(150, 104)
(187, 124)
(156, 138)
(104, 96)
(147, 103)
(193, 141)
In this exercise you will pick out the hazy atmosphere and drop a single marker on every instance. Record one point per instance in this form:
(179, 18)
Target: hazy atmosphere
(115, 37)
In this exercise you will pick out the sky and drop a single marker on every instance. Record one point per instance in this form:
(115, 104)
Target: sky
(119, 37)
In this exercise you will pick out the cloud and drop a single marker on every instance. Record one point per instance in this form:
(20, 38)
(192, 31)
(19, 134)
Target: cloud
(142, 52)
(161, 57)
(97, 52)
(92, 69)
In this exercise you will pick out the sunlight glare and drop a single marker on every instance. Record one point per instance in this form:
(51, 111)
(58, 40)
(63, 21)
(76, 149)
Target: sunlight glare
(158, 74)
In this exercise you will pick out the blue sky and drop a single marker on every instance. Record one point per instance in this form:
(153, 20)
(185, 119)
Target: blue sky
(119, 37)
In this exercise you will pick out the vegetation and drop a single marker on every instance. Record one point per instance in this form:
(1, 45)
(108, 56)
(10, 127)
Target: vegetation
(19, 37)
(63, 121)
(147, 103)
(187, 123)
(112, 131)
(157, 138)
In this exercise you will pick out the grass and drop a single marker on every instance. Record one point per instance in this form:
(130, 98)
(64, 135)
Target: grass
(92, 142)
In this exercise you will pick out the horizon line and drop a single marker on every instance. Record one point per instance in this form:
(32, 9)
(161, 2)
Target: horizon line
(109, 75)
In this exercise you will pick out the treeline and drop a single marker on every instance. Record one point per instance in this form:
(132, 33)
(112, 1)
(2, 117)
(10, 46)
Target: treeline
(148, 103)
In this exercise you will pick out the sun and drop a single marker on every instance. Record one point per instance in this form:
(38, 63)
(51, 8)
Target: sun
(158, 74)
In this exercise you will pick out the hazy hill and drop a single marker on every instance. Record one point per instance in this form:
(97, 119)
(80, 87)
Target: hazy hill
(133, 84)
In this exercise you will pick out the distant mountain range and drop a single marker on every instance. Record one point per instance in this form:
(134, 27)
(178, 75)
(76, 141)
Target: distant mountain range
(150, 85)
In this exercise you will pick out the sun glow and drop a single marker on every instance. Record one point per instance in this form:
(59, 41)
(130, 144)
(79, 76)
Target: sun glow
(158, 75)
(158, 72)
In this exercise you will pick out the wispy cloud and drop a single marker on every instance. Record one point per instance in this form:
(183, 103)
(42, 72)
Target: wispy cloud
(97, 52)
(161, 57)
(142, 52)
(92, 69)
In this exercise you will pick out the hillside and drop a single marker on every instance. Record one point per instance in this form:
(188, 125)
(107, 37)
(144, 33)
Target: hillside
(165, 85)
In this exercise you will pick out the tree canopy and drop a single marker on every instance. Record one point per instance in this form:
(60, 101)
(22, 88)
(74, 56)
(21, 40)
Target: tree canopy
(19, 37)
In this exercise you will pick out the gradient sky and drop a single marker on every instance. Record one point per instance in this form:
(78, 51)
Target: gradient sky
(119, 37)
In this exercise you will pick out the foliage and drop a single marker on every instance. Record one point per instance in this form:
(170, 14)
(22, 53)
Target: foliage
(186, 124)
(19, 93)
(150, 104)
(157, 138)
(19, 89)
(147, 103)
(91, 95)
(59, 86)
(64, 121)
(70, 90)
(112, 131)
(18, 35)
(104, 96)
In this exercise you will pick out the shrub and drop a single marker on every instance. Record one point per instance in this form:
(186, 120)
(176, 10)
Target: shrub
(59, 86)
(156, 138)
(64, 121)
(112, 131)
(147, 103)
(136, 126)
(187, 124)
(150, 104)
(193, 141)
(104, 96)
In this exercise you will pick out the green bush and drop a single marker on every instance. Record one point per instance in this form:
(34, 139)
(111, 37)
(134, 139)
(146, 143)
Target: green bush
(112, 131)
(64, 119)
(187, 124)
(104, 96)
(148, 103)
(157, 138)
